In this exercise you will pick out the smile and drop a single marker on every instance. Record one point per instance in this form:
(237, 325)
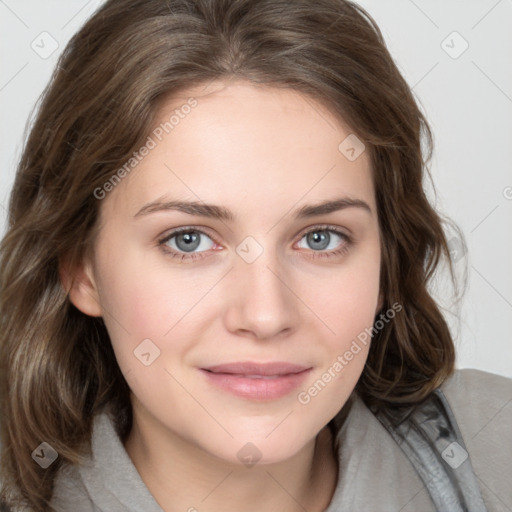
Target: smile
(257, 381)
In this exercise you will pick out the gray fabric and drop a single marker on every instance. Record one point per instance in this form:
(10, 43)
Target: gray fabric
(374, 472)
(429, 436)
(109, 483)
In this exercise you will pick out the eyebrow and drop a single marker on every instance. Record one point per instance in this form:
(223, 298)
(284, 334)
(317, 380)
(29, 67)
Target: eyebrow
(220, 212)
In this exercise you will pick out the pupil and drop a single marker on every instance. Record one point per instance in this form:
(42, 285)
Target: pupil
(191, 241)
(319, 239)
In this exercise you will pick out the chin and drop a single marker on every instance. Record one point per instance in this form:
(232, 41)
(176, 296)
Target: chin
(263, 449)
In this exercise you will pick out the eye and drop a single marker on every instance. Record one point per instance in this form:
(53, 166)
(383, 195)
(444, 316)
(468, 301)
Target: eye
(188, 243)
(326, 241)
(183, 242)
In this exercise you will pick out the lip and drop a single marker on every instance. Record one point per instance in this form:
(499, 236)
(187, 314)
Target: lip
(257, 381)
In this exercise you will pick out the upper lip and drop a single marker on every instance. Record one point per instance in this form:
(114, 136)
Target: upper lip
(252, 368)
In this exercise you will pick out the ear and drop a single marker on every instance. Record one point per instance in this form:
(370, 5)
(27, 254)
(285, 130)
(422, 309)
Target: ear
(80, 285)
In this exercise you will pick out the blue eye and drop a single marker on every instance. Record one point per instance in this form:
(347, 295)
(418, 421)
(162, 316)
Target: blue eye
(182, 242)
(320, 239)
(190, 243)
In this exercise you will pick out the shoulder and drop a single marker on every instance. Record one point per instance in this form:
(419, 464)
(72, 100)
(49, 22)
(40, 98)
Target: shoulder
(476, 382)
(370, 463)
(106, 480)
(479, 400)
(69, 491)
(482, 405)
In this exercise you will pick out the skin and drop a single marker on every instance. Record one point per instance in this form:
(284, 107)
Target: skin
(262, 152)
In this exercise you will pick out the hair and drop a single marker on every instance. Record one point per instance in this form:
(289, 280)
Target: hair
(58, 369)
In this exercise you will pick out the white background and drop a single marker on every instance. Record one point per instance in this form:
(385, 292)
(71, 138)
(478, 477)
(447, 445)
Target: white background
(467, 100)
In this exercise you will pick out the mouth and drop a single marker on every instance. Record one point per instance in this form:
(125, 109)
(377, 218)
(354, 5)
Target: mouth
(257, 381)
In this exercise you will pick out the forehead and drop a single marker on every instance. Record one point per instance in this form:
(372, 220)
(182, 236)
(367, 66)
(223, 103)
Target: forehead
(253, 148)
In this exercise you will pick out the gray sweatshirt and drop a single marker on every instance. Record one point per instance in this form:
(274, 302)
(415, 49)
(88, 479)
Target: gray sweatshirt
(374, 473)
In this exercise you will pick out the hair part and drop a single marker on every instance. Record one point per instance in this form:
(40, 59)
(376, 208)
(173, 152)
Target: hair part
(58, 368)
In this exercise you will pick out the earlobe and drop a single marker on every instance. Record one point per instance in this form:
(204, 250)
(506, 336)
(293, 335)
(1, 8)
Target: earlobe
(80, 285)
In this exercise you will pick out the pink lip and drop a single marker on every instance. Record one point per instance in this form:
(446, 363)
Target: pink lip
(257, 381)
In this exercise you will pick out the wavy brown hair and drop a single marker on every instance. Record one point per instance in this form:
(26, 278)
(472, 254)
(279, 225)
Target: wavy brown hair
(57, 366)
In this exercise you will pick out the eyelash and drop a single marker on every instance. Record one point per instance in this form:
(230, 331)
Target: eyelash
(195, 256)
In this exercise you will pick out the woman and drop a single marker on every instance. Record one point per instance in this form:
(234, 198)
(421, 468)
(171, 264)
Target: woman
(222, 300)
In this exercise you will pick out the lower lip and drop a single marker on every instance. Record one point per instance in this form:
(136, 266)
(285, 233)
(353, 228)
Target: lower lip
(257, 389)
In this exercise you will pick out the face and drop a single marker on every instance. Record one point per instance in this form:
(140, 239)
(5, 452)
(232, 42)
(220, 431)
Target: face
(236, 328)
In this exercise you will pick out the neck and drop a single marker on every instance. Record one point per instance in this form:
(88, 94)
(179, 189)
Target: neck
(181, 476)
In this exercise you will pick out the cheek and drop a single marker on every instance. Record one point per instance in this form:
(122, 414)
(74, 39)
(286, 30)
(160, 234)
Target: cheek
(346, 304)
(134, 300)
(144, 298)
(139, 291)
(349, 311)
(346, 299)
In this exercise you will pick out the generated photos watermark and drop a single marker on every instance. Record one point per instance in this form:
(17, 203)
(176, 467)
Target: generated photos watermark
(305, 396)
(45, 455)
(151, 143)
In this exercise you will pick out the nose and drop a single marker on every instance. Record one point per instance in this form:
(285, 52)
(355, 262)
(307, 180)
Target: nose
(260, 299)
